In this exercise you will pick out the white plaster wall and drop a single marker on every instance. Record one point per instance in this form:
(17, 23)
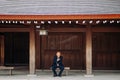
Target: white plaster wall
(43, 7)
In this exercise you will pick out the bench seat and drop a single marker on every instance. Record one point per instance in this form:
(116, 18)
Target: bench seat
(66, 69)
(7, 68)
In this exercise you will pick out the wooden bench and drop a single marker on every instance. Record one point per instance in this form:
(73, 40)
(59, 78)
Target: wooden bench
(66, 69)
(7, 68)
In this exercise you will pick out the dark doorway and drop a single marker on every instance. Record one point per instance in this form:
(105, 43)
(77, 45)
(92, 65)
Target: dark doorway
(16, 48)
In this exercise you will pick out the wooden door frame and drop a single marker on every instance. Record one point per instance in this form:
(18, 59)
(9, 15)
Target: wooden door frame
(31, 46)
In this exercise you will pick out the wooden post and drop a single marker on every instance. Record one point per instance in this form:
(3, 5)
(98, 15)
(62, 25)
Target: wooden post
(2, 50)
(32, 52)
(89, 52)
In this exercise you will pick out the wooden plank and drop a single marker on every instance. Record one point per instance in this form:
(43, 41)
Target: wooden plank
(38, 49)
(4, 67)
(106, 29)
(14, 29)
(43, 44)
(67, 30)
(59, 17)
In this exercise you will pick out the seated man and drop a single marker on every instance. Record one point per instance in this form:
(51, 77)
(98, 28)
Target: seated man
(57, 63)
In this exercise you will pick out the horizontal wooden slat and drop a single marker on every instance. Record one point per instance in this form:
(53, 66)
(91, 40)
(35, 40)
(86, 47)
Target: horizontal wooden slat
(14, 29)
(67, 30)
(59, 17)
(4, 67)
(108, 29)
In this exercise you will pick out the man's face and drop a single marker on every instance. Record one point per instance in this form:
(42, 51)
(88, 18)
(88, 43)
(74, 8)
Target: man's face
(58, 54)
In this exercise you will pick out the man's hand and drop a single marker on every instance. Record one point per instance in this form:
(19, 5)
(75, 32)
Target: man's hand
(57, 64)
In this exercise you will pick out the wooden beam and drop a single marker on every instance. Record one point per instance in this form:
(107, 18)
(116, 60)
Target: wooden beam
(89, 52)
(106, 29)
(32, 52)
(59, 17)
(67, 30)
(14, 29)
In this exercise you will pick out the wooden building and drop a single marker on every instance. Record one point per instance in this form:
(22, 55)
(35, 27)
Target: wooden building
(87, 42)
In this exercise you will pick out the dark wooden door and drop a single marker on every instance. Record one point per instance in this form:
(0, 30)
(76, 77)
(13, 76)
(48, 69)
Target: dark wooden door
(16, 48)
(106, 51)
(71, 45)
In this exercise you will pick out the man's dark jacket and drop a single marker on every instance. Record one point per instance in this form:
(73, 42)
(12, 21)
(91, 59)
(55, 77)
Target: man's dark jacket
(55, 62)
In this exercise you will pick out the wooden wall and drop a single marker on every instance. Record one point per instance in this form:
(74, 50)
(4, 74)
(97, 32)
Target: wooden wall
(106, 50)
(105, 43)
(70, 40)
(71, 45)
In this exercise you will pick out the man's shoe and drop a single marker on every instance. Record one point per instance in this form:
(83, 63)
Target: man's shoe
(59, 75)
(54, 75)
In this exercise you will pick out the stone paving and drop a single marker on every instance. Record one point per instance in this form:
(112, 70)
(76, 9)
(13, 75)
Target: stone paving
(47, 75)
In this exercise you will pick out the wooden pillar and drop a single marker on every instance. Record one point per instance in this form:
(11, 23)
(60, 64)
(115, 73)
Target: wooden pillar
(32, 52)
(2, 50)
(88, 52)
